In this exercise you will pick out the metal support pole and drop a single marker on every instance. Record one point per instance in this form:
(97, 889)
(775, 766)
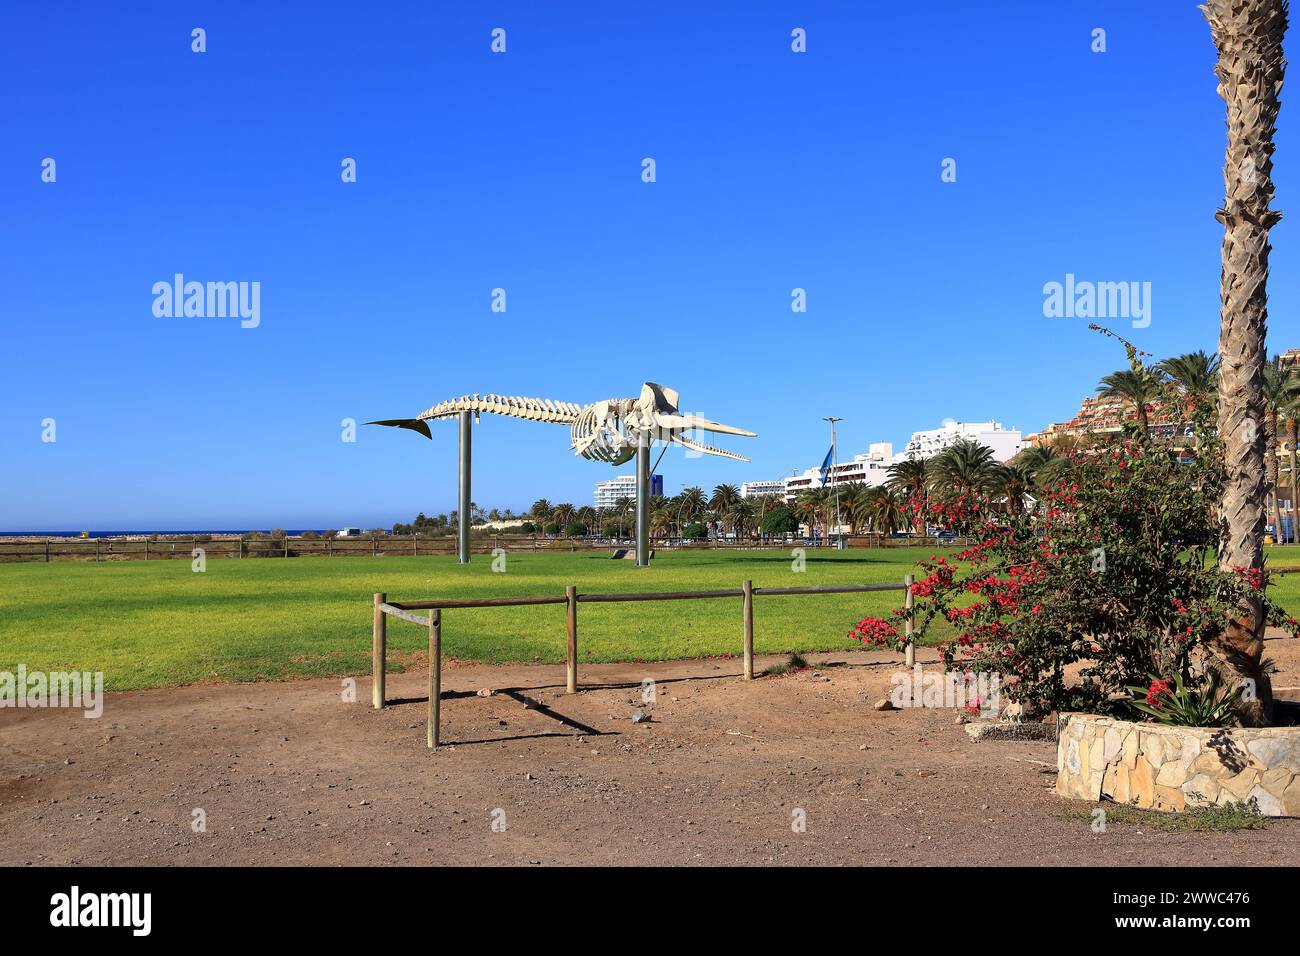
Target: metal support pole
(435, 676)
(378, 652)
(910, 654)
(643, 501)
(462, 542)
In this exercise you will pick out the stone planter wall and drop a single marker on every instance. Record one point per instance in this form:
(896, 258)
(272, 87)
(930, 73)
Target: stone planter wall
(1172, 768)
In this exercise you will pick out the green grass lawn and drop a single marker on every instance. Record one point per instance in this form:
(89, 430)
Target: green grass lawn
(159, 624)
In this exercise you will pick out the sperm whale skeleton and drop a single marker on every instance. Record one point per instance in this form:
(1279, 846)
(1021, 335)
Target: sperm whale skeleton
(614, 431)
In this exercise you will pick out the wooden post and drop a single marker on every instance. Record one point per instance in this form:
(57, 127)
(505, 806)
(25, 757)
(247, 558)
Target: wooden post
(378, 653)
(97, 551)
(146, 550)
(571, 606)
(747, 587)
(435, 675)
(910, 654)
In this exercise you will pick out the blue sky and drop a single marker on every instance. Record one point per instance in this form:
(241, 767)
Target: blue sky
(522, 171)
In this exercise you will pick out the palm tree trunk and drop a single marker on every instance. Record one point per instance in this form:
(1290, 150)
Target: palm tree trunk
(1248, 36)
(1292, 436)
(1270, 465)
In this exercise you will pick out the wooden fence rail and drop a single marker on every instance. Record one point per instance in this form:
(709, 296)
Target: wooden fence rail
(123, 549)
(404, 610)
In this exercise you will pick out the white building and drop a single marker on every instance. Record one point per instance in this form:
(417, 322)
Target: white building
(869, 469)
(757, 489)
(624, 486)
(1006, 443)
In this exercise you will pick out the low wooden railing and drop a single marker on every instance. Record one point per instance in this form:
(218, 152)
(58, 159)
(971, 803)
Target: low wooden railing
(404, 610)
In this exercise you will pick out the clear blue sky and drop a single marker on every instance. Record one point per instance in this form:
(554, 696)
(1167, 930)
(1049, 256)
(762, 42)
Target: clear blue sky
(523, 171)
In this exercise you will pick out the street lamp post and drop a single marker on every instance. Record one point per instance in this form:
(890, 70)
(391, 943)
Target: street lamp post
(835, 461)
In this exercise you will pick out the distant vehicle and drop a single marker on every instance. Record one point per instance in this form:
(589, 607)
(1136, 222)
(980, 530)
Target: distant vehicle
(84, 534)
(349, 533)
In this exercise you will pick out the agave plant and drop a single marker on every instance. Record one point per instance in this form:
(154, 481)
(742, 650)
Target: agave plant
(1176, 702)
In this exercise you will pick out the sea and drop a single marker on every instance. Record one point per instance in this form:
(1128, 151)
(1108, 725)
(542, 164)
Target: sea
(121, 534)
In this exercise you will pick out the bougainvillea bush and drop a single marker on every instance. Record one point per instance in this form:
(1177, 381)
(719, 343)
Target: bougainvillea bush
(1112, 570)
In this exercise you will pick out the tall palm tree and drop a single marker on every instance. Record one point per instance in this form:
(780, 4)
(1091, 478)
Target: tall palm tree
(886, 509)
(1281, 388)
(562, 515)
(852, 498)
(1291, 415)
(963, 468)
(1248, 36)
(541, 513)
(742, 516)
(1047, 465)
(693, 503)
(810, 506)
(661, 516)
(1194, 377)
(911, 479)
(1013, 481)
(1138, 389)
(724, 496)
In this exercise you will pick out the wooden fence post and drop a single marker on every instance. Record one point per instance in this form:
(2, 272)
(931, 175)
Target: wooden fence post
(146, 549)
(435, 676)
(910, 654)
(97, 551)
(747, 601)
(571, 606)
(378, 653)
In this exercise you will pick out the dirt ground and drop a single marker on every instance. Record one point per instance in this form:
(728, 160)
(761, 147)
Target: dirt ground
(288, 773)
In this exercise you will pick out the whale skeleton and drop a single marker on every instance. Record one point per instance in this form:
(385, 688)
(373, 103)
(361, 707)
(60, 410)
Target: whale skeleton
(607, 431)
(614, 431)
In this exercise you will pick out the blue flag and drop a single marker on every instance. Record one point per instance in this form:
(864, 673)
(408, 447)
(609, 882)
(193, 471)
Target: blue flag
(826, 465)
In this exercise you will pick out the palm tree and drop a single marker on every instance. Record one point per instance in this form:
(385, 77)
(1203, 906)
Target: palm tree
(742, 515)
(1046, 464)
(1013, 481)
(541, 513)
(1248, 36)
(724, 496)
(1138, 389)
(911, 478)
(963, 468)
(809, 506)
(693, 503)
(622, 505)
(1281, 389)
(1291, 414)
(1194, 377)
(562, 515)
(853, 495)
(886, 511)
(661, 516)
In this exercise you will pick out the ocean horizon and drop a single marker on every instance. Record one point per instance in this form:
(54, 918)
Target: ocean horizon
(123, 534)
